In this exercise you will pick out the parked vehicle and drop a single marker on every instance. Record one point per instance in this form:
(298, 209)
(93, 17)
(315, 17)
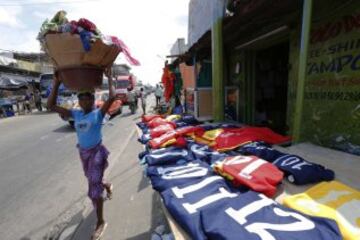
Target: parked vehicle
(66, 98)
(122, 84)
(116, 106)
(6, 107)
(45, 83)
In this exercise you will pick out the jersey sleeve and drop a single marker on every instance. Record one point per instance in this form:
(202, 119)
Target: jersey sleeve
(99, 114)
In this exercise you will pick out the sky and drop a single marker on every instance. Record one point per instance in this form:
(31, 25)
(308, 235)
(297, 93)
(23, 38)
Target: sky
(148, 27)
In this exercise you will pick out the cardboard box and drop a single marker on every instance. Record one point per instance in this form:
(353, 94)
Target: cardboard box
(66, 50)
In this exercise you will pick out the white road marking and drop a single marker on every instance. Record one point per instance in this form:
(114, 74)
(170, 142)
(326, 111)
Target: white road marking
(59, 139)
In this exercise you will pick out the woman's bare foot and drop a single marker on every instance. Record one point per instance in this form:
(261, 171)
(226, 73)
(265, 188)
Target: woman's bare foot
(109, 190)
(99, 231)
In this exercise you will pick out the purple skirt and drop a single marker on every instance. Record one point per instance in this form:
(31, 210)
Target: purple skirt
(94, 162)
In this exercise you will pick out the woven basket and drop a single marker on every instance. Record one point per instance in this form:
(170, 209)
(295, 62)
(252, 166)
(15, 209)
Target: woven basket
(79, 78)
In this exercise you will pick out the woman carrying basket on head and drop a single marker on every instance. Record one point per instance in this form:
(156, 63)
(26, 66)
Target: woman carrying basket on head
(93, 155)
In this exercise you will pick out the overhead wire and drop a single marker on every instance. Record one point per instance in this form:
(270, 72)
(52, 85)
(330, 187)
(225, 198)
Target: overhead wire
(7, 4)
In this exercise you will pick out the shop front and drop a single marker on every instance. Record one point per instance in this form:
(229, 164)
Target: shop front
(264, 68)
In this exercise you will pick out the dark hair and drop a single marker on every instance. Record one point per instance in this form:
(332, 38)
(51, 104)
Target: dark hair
(141, 89)
(86, 94)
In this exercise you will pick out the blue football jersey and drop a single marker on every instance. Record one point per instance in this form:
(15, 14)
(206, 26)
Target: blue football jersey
(188, 120)
(186, 202)
(170, 155)
(204, 153)
(261, 151)
(144, 138)
(212, 126)
(253, 216)
(164, 177)
(180, 124)
(300, 171)
(142, 126)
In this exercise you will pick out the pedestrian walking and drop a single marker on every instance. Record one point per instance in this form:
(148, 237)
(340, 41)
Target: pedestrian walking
(37, 98)
(93, 154)
(27, 102)
(158, 94)
(132, 100)
(143, 100)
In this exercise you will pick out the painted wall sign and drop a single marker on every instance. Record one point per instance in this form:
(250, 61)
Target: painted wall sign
(332, 92)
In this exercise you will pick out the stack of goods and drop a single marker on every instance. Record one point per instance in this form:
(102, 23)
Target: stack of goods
(79, 51)
(226, 194)
(172, 82)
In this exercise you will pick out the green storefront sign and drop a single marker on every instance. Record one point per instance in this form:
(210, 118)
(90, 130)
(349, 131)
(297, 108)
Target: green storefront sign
(332, 89)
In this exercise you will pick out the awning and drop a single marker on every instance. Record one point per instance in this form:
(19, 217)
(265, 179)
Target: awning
(7, 61)
(12, 84)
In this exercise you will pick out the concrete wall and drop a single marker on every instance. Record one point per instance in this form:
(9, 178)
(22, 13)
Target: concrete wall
(202, 15)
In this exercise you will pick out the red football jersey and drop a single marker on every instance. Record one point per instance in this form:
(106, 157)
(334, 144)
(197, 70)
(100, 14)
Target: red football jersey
(160, 130)
(251, 171)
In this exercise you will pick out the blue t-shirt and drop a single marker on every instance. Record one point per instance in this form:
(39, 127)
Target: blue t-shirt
(88, 127)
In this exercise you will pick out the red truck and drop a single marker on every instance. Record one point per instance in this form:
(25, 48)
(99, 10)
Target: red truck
(123, 83)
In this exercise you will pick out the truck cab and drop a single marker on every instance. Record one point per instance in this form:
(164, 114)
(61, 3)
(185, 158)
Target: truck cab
(122, 84)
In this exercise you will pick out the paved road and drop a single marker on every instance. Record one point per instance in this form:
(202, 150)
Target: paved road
(41, 181)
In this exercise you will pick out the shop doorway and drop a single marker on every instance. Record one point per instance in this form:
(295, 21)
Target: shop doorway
(271, 87)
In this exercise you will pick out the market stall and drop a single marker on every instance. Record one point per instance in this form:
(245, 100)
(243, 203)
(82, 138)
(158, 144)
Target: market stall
(222, 181)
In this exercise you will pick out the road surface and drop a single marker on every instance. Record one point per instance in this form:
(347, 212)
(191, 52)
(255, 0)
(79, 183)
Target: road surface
(42, 187)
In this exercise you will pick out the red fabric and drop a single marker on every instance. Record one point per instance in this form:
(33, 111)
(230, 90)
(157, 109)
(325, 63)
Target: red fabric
(180, 142)
(253, 172)
(158, 122)
(124, 48)
(167, 80)
(148, 118)
(189, 130)
(74, 26)
(234, 137)
(87, 25)
(160, 130)
(157, 142)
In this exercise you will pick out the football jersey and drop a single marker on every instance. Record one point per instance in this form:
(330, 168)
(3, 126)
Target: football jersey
(158, 122)
(142, 126)
(332, 200)
(261, 151)
(187, 119)
(164, 177)
(300, 171)
(144, 138)
(232, 138)
(204, 153)
(253, 216)
(160, 130)
(169, 155)
(213, 126)
(159, 141)
(173, 117)
(148, 118)
(186, 202)
(251, 171)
